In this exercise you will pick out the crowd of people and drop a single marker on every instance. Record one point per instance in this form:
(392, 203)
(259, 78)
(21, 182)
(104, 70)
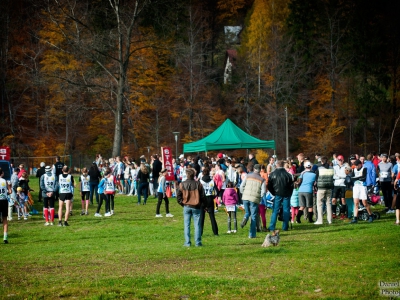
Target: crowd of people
(291, 188)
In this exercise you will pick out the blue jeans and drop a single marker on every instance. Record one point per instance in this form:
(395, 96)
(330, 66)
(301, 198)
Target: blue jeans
(143, 189)
(251, 209)
(94, 188)
(285, 201)
(188, 213)
(155, 184)
(132, 189)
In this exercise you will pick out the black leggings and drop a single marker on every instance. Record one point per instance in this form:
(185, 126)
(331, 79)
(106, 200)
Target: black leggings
(210, 209)
(48, 202)
(161, 196)
(386, 187)
(103, 198)
(85, 195)
(110, 201)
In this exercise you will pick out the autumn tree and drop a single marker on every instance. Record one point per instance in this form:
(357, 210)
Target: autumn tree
(193, 72)
(322, 130)
(105, 35)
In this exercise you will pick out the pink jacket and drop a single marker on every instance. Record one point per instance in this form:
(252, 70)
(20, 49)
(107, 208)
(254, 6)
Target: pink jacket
(230, 196)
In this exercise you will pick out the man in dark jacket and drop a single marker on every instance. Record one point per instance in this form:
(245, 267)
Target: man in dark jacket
(191, 196)
(39, 174)
(280, 184)
(157, 166)
(252, 159)
(57, 168)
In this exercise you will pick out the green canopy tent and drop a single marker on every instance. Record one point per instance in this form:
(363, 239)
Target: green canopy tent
(225, 137)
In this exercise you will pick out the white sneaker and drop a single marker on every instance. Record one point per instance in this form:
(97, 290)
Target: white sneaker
(169, 215)
(107, 214)
(46, 224)
(51, 223)
(112, 212)
(25, 218)
(228, 231)
(158, 216)
(97, 215)
(318, 223)
(391, 211)
(233, 231)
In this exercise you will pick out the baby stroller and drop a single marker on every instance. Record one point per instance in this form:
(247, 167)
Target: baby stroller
(373, 199)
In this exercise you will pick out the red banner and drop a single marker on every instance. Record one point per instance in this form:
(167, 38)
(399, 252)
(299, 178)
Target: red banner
(167, 162)
(5, 153)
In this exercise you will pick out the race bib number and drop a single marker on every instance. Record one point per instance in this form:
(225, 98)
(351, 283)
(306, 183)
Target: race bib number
(384, 174)
(3, 193)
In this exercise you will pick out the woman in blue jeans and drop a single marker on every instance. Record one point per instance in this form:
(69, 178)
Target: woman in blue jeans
(95, 177)
(143, 177)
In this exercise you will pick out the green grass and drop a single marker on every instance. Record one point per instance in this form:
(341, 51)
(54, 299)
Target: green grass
(134, 255)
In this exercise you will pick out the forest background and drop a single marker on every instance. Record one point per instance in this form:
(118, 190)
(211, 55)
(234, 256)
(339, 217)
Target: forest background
(117, 76)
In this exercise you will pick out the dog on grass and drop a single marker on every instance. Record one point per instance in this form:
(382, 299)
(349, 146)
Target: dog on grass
(271, 239)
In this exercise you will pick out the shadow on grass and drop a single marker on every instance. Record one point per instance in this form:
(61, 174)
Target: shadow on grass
(274, 250)
(329, 229)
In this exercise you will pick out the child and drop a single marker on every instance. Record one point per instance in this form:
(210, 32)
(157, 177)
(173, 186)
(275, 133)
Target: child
(161, 195)
(109, 191)
(24, 184)
(212, 174)
(209, 189)
(14, 185)
(294, 202)
(101, 188)
(66, 185)
(21, 208)
(133, 176)
(230, 199)
(85, 191)
(48, 186)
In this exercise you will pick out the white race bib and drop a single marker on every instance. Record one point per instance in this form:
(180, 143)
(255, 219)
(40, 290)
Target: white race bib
(384, 174)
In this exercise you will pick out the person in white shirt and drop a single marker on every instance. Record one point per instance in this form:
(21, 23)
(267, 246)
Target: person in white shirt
(339, 188)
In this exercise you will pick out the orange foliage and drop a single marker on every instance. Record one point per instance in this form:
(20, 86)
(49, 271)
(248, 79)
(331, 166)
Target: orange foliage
(322, 121)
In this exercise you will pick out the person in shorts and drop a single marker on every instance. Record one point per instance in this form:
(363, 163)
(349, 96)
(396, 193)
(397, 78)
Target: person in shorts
(360, 191)
(66, 186)
(85, 191)
(48, 186)
(306, 182)
(5, 189)
(339, 188)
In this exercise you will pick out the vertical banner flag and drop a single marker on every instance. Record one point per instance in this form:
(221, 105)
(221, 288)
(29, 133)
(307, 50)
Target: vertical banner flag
(5, 153)
(167, 162)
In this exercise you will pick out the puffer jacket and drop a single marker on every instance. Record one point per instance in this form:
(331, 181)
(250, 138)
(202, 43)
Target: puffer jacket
(280, 183)
(230, 197)
(325, 177)
(191, 194)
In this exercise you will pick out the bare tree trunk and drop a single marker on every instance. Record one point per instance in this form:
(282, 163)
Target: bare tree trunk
(118, 120)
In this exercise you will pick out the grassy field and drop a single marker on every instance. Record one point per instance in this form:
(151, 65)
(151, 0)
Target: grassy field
(133, 255)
